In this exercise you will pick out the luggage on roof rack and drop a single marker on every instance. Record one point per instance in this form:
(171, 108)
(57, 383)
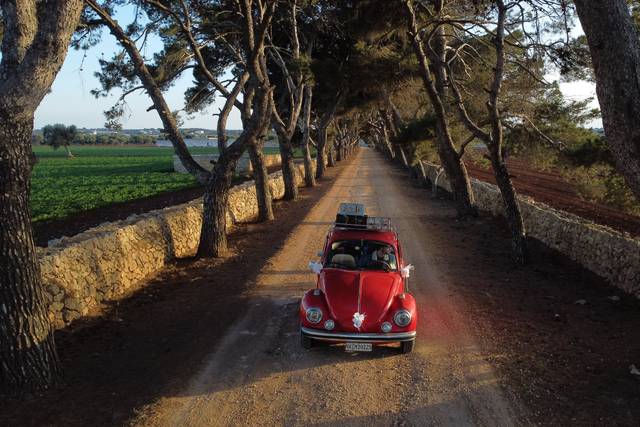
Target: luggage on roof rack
(355, 209)
(352, 215)
(351, 221)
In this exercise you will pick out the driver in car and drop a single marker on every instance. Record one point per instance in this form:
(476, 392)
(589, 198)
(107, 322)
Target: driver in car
(381, 253)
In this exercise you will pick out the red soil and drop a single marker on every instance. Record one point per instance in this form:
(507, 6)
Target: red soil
(552, 189)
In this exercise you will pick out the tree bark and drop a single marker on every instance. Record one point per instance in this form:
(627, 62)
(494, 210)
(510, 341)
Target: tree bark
(615, 51)
(403, 157)
(34, 44)
(261, 179)
(397, 118)
(213, 233)
(458, 176)
(512, 210)
(309, 178)
(331, 156)
(321, 157)
(494, 139)
(451, 161)
(288, 167)
(511, 206)
(387, 141)
(28, 359)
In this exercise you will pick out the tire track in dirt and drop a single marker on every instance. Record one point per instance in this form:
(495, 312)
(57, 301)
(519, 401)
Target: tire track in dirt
(260, 375)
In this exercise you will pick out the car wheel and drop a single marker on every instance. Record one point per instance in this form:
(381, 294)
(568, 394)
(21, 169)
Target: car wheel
(306, 341)
(407, 346)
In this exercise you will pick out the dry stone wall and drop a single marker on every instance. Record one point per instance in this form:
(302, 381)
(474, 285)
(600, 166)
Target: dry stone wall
(609, 253)
(243, 166)
(108, 261)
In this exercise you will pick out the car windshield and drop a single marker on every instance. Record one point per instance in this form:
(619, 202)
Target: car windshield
(361, 255)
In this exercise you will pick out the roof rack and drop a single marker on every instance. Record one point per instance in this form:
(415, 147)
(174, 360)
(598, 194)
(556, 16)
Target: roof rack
(352, 216)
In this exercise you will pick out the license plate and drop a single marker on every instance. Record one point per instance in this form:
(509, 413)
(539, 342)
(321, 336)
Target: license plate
(358, 346)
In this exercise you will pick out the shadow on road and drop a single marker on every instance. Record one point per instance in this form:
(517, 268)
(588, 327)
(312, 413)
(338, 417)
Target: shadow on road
(146, 346)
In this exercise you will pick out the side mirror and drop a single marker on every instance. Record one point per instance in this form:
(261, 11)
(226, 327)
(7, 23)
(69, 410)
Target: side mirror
(405, 271)
(315, 266)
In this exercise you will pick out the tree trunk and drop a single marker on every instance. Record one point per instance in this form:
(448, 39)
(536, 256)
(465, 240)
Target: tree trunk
(453, 164)
(393, 130)
(69, 153)
(332, 154)
(397, 118)
(261, 179)
(387, 141)
(35, 43)
(28, 359)
(422, 174)
(288, 168)
(451, 161)
(615, 52)
(213, 233)
(309, 178)
(403, 157)
(339, 152)
(511, 207)
(321, 157)
(155, 93)
(456, 171)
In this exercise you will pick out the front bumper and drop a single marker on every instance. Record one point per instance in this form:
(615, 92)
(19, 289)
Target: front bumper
(321, 335)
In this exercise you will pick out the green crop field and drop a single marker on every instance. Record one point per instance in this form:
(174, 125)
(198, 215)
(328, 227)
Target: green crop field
(99, 176)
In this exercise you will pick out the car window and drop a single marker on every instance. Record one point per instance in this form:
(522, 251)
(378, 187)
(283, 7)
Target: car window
(361, 254)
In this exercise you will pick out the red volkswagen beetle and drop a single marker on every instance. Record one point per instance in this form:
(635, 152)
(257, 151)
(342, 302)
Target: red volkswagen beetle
(361, 296)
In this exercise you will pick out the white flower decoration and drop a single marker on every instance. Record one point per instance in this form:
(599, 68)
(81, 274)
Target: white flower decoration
(358, 319)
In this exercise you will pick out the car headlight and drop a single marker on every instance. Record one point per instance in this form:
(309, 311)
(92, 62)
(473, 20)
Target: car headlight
(402, 318)
(314, 315)
(329, 324)
(386, 327)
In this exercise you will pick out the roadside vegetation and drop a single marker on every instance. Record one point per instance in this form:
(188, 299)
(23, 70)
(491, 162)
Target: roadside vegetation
(99, 176)
(598, 180)
(588, 166)
(470, 78)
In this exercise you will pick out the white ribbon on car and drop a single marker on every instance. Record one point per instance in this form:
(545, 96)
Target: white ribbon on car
(358, 319)
(315, 266)
(406, 271)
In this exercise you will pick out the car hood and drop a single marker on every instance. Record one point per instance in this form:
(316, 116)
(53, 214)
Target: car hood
(366, 292)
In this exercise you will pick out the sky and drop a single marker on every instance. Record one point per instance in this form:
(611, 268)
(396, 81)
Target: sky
(580, 90)
(70, 101)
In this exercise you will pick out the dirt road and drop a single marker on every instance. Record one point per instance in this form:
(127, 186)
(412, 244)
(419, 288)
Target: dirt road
(259, 374)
